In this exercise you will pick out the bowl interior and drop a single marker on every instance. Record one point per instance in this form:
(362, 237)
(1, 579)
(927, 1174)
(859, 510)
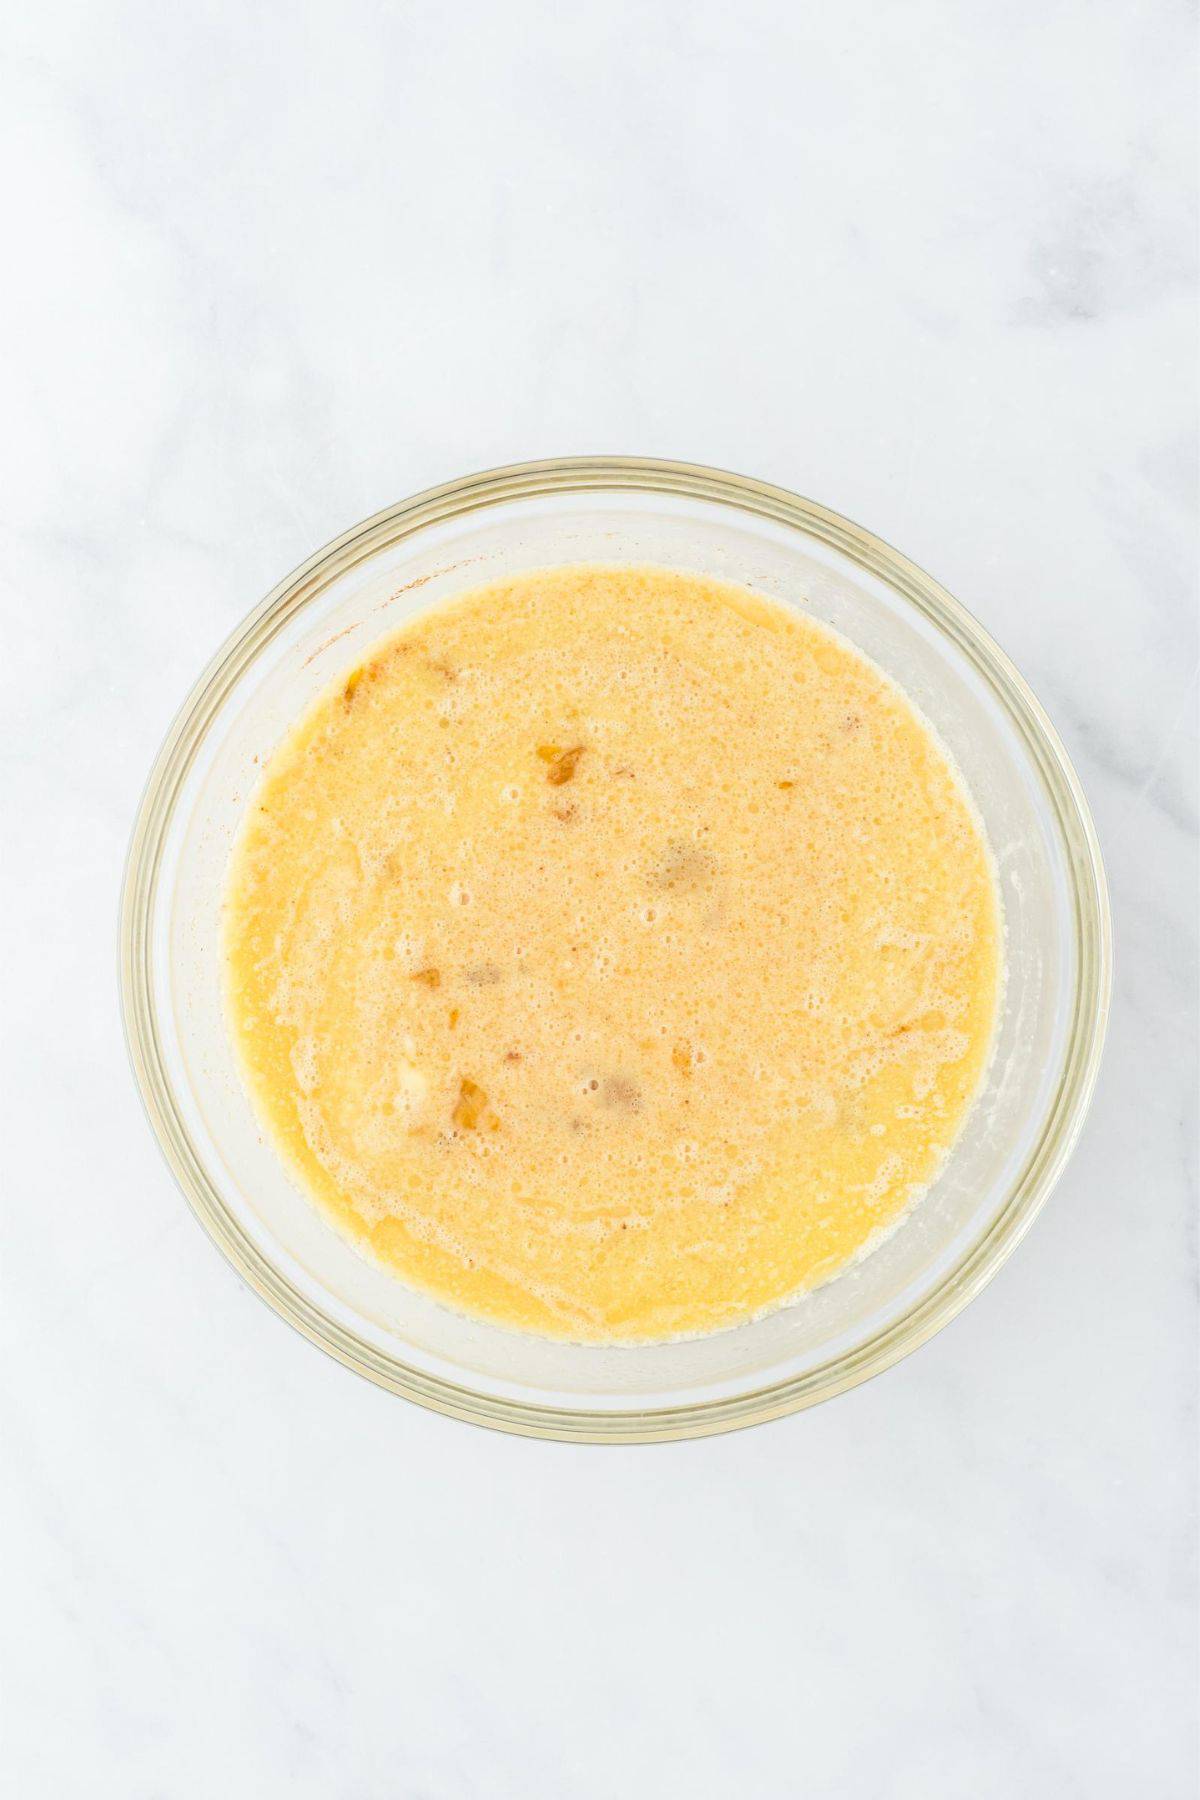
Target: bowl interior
(321, 624)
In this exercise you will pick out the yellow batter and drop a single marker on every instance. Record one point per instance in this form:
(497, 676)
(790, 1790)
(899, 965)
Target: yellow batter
(613, 953)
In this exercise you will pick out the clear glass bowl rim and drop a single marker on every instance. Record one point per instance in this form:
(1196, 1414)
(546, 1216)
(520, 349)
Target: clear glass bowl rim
(1089, 900)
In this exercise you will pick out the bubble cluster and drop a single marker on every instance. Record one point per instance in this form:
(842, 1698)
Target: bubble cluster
(613, 953)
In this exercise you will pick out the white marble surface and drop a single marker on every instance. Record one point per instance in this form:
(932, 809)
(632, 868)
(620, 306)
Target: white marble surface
(271, 268)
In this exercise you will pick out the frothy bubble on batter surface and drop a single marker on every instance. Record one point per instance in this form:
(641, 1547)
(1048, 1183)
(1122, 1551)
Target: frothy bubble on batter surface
(613, 953)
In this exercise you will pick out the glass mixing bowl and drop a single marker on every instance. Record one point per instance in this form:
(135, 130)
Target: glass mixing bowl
(320, 621)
